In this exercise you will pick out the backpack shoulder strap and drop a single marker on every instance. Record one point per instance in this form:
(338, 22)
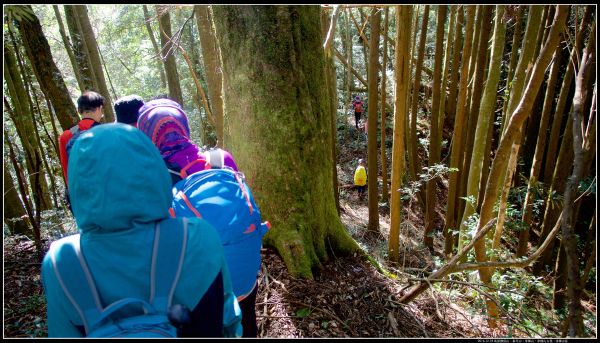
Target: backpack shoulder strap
(75, 132)
(170, 241)
(216, 158)
(76, 281)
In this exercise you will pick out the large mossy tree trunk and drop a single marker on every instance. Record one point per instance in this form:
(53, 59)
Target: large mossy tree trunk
(48, 75)
(22, 119)
(277, 125)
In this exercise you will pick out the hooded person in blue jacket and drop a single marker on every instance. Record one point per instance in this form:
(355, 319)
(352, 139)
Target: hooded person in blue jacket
(120, 189)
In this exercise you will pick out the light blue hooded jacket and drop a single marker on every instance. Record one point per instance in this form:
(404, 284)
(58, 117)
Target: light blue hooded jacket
(120, 188)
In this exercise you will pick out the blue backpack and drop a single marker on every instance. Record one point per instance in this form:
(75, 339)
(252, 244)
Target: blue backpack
(129, 317)
(222, 197)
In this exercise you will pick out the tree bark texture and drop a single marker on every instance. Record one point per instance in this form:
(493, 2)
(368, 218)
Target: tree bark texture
(449, 40)
(22, 119)
(159, 64)
(564, 95)
(569, 238)
(383, 155)
(168, 53)
(46, 72)
(95, 60)
(212, 61)
(15, 216)
(328, 27)
(278, 116)
(373, 191)
(456, 60)
(413, 160)
(82, 58)
(435, 135)
(517, 118)
(68, 47)
(539, 153)
(402, 82)
(459, 122)
(479, 75)
(484, 120)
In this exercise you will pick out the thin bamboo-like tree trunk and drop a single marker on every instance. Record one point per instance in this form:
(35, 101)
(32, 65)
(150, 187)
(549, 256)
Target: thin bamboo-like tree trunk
(479, 75)
(563, 97)
(455, 154)
(373, 190)
(500, 161)
(569, 238)
(522, 74)
(328, 30)
(402, 84)
(413, 160)
(435, 135)
(484, 120)
(168, 53)
(456, 60)
(514, 58)
(159, 64)
(383, 155)
(536, 166)
(67, 44)
(445, 83)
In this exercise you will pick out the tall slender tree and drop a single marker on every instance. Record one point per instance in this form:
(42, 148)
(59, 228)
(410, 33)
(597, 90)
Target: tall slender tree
(383, 150)
(159, 64)
(455, 156)
(435, 135)
(212, 62)
(372, 121)
(82, 65)
(413, 160)
(68, 47)
(95, 59)
(500, 161)
(402, 84)
(168, 53)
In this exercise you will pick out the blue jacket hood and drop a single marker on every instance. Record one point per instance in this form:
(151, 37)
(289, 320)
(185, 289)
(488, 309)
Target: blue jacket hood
(117, 180)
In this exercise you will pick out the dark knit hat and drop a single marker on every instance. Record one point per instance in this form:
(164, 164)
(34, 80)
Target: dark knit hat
(126, 109)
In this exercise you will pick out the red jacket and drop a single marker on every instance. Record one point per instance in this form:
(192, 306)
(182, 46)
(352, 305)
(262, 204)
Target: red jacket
(65, 137)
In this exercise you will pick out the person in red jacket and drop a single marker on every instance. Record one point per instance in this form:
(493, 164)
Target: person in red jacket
(90, 106)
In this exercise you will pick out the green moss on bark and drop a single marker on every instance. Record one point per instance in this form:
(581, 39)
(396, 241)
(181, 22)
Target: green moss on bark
(277, 125)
